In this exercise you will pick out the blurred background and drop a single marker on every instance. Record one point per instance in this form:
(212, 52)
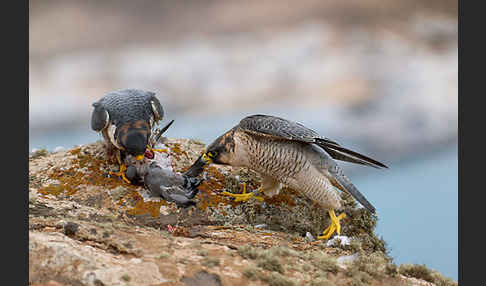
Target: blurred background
(379, 77)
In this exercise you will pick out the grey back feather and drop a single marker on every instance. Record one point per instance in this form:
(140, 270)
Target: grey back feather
(285, 129)
(280, 127)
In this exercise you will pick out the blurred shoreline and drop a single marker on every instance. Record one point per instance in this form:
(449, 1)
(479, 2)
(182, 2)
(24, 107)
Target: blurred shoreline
(371, 87)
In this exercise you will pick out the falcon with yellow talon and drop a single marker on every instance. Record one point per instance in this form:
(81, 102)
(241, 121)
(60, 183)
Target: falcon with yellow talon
(126, 118)
(286, 152)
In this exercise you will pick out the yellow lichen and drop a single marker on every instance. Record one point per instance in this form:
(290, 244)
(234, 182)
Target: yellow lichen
(208, 196)
(143, 207)
(52, 189)
(285, 197)
(86, 170)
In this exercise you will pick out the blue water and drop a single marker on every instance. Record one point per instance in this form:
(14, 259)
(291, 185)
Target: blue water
(416, 201)
(417, 206)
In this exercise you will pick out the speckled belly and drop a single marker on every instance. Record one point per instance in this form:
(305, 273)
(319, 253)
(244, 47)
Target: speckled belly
(288, 162)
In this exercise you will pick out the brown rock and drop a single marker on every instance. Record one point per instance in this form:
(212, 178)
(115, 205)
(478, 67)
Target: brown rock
(86, 228)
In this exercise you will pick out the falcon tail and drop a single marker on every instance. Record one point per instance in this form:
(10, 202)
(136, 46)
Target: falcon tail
(346, 185)
(340, 153)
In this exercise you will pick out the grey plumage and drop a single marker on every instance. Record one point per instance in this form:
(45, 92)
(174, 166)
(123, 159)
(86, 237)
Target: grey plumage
(125, 106)
(171, 186)
(286, 152)
(161, 180)
(282, 128)
(126, 118)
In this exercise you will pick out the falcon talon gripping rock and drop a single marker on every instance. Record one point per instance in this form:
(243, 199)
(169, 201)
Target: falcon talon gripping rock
(126, 119)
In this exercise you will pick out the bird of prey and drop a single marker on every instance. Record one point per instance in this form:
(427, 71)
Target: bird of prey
(286, 152)
(136, 168)
(126, 118)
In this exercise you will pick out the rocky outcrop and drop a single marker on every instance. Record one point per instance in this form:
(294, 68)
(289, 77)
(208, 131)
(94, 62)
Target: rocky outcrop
(87, 228)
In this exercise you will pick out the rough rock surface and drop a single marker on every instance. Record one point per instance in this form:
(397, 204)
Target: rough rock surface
(87, 228)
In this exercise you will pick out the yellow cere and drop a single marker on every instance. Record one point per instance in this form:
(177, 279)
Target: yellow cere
(206, 158)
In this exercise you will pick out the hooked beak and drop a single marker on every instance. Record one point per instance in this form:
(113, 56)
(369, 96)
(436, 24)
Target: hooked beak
(198, 166)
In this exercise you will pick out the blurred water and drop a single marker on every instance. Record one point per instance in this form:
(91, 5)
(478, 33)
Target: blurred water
(416, 200)
(417, 209)
(204, 127)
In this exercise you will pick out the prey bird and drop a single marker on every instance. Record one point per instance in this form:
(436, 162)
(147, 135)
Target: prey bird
(171, 186)
(126, 118)
(156, 173)
(287, 153)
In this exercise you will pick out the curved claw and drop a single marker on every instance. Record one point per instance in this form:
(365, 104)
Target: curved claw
(244, 196)
(121, 173)
(334, 227)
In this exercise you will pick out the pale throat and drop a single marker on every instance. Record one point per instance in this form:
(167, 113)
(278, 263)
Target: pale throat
(111, 134)
(241, 154)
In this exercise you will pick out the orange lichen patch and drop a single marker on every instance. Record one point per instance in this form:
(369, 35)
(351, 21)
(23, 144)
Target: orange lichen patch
(96, 172)
(53, 189)
(215, 174)
(86, 170)
(67, 182)
(285, 197)
(210, 198)
(176, 150)
(143, 207)
(76, 151)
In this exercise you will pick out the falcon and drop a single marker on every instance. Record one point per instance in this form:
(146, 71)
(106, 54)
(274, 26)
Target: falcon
(125, 118)
(287, 153)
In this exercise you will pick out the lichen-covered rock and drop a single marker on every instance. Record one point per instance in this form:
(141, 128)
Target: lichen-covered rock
(103, 231)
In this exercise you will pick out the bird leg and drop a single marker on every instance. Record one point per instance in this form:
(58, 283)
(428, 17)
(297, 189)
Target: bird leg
(335, 225)
(244, 196)
(123, 168)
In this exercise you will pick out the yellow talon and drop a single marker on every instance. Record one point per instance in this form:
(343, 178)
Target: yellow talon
(121, 173)
(334, 227)
(244, 196)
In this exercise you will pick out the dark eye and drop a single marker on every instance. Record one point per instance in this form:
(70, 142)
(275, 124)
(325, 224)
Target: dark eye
(212, 154)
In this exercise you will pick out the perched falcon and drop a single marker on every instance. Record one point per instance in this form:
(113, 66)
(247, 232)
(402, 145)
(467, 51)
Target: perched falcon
(286, 152)
(126, 118)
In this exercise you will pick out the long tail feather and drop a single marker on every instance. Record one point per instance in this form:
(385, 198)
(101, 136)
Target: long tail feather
(343, 157)
(340, 153)
(346, 185)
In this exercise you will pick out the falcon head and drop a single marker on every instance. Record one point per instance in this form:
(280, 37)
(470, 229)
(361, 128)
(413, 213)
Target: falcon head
(133, 137)
(221, 151)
